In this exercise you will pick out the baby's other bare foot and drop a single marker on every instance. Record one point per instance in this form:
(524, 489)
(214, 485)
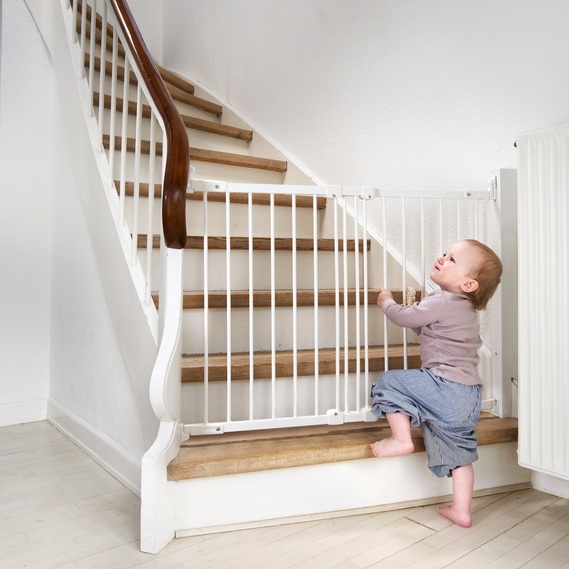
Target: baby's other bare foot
(462, 519)
(391, 447)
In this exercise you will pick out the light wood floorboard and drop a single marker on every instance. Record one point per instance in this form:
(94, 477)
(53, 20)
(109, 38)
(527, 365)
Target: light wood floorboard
(60, 510)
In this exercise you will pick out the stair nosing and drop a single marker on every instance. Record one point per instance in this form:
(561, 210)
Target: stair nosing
(219, 243)
(263, 298)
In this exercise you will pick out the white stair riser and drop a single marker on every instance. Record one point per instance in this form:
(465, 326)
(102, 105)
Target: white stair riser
(193, 399)
(217, 279)
(203, 170)
(216, 222)
(193, 329)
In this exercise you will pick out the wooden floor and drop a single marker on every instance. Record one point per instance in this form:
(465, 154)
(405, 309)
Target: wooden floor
(59, 509)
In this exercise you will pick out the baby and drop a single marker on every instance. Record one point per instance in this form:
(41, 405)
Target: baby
(443, 398)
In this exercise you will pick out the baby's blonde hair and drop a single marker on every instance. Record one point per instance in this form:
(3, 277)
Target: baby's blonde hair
(487, 273)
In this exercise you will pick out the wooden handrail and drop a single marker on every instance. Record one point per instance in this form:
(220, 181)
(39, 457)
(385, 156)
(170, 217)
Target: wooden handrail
(177, 165)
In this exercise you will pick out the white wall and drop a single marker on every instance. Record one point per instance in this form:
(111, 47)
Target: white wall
(25, 216)
(101, 345)
(406, 94)
(148, 18)
(60, 354)
(90, 388)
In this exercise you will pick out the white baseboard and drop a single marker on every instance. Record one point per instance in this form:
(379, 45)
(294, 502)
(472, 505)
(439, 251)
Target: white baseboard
(550, 484)
(24, 412)
(102, 449)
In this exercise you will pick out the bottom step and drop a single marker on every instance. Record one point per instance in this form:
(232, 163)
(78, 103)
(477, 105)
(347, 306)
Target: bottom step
(233, 453)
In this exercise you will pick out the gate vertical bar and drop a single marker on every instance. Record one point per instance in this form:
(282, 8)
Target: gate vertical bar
(316, 300)
(228, 301)
(384, 265)
(294, 312)
(205, 203)
(251, 306)
(337, 303)
(366, 299)
(358, 397)
(404, 275)
(345, 267)
(273, 310)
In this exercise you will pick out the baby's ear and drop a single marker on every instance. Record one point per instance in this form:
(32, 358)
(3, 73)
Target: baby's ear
(469, 286)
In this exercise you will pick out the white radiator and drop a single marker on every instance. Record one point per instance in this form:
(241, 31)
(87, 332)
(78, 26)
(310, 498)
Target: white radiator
(543, 208)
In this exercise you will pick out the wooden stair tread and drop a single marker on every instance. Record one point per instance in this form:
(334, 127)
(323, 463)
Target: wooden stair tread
(203, 155)
(193, 364)
(190, 122)
(172, 79)
(283, 298)
(234, 453)
(217, 128)
(260, 243)
(183, 96)
(280, 200)
(180, 89)
(243, 161)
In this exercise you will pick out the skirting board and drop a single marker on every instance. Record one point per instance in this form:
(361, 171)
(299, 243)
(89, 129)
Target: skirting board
(206, 505)
(23, 412)
(550, 484)
(353, 512)
(103, 450)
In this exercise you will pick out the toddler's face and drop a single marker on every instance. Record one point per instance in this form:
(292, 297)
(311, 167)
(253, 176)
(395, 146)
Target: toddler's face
(452, 270)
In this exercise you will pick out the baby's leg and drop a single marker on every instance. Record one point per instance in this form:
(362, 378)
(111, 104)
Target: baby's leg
(460, 511)
(400, 442)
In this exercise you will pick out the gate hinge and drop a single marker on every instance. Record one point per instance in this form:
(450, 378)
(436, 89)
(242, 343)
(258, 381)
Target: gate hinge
(493, 188)
(196, 430)
(335, 417)
(207, 186)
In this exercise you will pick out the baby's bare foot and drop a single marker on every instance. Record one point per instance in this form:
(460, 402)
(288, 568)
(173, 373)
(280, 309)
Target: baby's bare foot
(462, 519)
(391, 447)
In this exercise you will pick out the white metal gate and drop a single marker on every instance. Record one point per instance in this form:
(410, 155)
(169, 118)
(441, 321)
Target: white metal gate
(406, 232)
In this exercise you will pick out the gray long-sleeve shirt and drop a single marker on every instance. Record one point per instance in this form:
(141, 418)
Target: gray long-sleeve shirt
(447, 326)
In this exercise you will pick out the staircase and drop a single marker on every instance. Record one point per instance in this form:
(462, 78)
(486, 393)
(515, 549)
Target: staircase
(222, 152)
(225, 149)
(233, 166)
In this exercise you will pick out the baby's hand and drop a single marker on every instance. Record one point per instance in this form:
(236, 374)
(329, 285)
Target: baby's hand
(383, 296)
